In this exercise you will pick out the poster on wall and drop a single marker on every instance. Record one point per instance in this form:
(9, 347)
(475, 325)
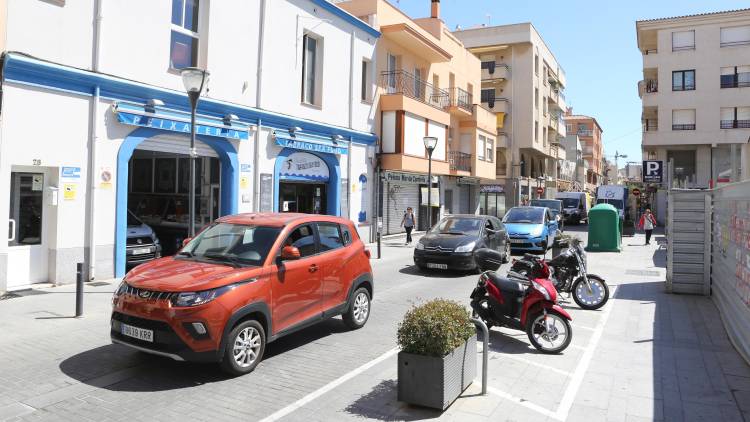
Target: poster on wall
(69, 191)
(305, 166)
(434, 198)
(105, 178)
(266, 192)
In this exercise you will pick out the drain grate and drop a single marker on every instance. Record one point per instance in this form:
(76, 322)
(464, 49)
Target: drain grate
(98, 283)
(643, 273)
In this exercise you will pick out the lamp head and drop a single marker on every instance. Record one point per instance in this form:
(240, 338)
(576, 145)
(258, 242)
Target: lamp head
(194, 79)
(430, 142)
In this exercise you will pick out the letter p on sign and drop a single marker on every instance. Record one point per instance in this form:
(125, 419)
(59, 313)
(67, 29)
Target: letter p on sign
(652, 171)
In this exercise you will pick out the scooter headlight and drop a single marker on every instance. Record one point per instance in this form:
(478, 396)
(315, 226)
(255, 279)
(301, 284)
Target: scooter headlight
(539, 288)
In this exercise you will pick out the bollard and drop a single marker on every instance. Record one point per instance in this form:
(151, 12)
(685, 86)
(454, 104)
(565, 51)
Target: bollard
(485, 350)
(378, 243)
(79, 289)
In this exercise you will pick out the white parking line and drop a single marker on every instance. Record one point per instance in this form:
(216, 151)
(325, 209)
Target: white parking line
(523, 402)
(540, 365)
(328, 387)
(583, 365)
(583, 327)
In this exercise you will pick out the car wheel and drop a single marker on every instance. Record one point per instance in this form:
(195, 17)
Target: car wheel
(244, 348)
(359, 309)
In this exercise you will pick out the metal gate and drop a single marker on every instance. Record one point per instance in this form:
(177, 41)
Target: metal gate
(398, 197)
(689, 242)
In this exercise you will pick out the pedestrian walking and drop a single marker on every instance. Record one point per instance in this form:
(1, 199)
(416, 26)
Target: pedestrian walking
(408, 223)
(647, 223)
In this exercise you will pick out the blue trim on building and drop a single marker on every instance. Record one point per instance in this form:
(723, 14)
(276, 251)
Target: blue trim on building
(26, 70)
(339, 12)
(333, 186)
(229, 184)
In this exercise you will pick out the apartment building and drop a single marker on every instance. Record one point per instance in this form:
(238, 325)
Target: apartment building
(523, 84)
(574, 154)
(590, 134)
(95, 123)
(695, 93)
(428, 85)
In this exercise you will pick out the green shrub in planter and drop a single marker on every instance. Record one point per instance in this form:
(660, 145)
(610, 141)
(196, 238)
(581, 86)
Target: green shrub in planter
(438, 353)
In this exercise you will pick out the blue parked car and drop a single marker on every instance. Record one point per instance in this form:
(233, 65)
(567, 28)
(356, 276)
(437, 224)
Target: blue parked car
(531, 229)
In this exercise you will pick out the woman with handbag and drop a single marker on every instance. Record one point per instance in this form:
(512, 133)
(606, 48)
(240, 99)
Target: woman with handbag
(647, 223)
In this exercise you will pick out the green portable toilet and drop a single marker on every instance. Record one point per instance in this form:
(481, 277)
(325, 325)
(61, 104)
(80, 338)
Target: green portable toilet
(604, 229)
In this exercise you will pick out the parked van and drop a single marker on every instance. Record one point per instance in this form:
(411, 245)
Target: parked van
(615, 195)
(575, 206)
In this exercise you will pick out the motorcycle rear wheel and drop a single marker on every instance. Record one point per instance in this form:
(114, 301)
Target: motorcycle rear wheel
(549, 342)
(595, 300)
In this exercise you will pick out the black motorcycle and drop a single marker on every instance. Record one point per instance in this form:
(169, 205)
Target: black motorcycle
(568, 274)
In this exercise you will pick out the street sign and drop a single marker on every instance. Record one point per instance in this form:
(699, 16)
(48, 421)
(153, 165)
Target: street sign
(653, 170)
(636, 192)
(540, 190)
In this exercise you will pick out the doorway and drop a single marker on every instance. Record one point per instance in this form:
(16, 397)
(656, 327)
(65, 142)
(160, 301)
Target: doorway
(307, 198)
(27, 228)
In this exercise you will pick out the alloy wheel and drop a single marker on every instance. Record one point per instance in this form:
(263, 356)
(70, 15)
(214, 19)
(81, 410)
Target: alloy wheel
(361, 307)
(550, 335)
(591, 297)
(247, 345)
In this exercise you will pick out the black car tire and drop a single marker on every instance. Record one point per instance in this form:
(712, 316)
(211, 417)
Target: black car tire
(228, 363)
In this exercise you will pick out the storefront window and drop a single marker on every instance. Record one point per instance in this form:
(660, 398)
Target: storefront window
(684, 174)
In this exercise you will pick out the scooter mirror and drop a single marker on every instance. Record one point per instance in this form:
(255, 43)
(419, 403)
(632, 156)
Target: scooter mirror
(488, 259)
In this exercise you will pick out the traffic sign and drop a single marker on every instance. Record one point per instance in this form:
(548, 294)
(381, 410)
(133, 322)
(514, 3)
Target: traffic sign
(653, 171)
(636, 192)
(540, 190)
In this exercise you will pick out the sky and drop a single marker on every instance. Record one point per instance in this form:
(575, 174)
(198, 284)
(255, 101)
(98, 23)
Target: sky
(595, 45)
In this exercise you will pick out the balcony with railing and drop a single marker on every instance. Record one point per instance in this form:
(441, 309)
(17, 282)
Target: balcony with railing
(647, 86)
(495, 71)
(400, 82)
(683, 126)
(736, 80)
(585, 132)
(460, 161)
(650, 125)
(460, 100)
(495, 104)
(735, 124)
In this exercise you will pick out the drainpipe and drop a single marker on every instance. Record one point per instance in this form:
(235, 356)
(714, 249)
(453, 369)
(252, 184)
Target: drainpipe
(256, 167)
(93, 140)
(349, 180)
(351, 84)
(261, 38)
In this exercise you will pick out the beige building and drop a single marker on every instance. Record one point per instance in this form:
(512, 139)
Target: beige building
(696, 95)
(523, 84)
(428, 84)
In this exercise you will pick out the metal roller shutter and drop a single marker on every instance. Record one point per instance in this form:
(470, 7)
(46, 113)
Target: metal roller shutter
(176, 145)
(399, 196)
(464, 198)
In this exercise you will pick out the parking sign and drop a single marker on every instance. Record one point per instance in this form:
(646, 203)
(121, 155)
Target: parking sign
(653, 171)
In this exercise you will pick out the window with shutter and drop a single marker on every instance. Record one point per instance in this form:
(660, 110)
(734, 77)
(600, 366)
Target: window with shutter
(683, 119)
(683, 40)
(737, 35)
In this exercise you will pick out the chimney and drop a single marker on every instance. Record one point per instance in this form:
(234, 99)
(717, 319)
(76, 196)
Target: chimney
(435, 12)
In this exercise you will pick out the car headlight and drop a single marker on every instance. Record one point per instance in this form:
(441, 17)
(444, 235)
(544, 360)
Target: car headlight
(467, 247)
(539, 288)
(121, 289)
(186, 299)
(420, 246)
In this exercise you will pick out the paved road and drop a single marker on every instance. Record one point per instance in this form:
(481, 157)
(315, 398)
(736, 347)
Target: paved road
(646, 355)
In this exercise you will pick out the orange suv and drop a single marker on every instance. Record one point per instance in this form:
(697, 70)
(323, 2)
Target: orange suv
(242, 282)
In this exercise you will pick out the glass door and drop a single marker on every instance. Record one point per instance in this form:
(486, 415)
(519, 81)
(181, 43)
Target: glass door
(27, 245)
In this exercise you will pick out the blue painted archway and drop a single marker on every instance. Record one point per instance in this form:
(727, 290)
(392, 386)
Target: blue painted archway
(333, 187)
(229, 183)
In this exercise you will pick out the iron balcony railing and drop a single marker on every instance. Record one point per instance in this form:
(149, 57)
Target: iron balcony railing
(737, 80)
(683, 126)
(404, 83)
(459, 161)
(462, 99)
(585, 132)
(491, 66)
(735, 124)
(650, 125)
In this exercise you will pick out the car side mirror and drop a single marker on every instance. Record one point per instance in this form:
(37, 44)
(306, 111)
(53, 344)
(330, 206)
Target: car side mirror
(290, 253)
(186, 240)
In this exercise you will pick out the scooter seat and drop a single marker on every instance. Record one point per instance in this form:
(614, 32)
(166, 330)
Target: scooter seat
(507, 285)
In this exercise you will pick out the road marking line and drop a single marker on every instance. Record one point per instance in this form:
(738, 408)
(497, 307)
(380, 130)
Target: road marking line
(575, 346)
(523, 402)
(583, 365)
(328, 387)
(540, 365)
(583, 327)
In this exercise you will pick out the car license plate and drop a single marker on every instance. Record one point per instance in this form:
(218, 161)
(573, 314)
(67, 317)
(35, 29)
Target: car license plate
(135, 332)
(517, 240)
(438, 266)
(141, 251)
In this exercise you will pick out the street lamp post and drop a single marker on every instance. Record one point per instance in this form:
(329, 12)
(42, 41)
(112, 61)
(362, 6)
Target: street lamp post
(430, 142)
(195, 80)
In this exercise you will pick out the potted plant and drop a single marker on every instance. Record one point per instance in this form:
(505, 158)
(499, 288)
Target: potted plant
(438, 354)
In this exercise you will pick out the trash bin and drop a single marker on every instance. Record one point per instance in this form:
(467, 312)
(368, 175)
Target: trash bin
(604, 229)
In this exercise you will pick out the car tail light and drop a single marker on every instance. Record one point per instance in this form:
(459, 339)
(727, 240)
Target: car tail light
(367, 253)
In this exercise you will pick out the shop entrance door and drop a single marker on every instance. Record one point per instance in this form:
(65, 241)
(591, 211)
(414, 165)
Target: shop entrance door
(27, 240)
(308, 198)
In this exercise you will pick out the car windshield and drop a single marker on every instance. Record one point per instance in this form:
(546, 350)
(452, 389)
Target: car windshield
(525, 215)
(617, 203)
(234, 244)
(133, 221)
(458, 226)
(549, 203)
(570, 202)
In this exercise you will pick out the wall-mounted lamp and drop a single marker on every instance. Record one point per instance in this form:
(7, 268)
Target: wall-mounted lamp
(295, 129)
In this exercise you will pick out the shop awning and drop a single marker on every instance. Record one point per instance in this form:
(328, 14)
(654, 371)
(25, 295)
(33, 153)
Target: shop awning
(309, 142)
(157, 117)
(500, 120)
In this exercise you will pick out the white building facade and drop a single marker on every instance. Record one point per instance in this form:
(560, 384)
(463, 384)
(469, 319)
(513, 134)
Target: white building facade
(94, 123)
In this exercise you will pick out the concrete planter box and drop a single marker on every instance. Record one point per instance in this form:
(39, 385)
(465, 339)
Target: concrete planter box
(436, 382)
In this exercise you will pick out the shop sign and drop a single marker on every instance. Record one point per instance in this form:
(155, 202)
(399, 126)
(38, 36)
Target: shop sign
(492, 189)
(405, 177)
(301, 165)
(653, 171)
(434, 197)
(70, 172)
(246, 168)
(178, 126)
(468, 181)
(310, 146)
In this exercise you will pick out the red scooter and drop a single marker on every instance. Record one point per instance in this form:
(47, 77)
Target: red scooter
(521, 304)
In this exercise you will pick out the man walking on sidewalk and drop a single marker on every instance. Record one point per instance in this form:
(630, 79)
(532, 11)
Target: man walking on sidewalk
(647, 223)
(408, 223)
